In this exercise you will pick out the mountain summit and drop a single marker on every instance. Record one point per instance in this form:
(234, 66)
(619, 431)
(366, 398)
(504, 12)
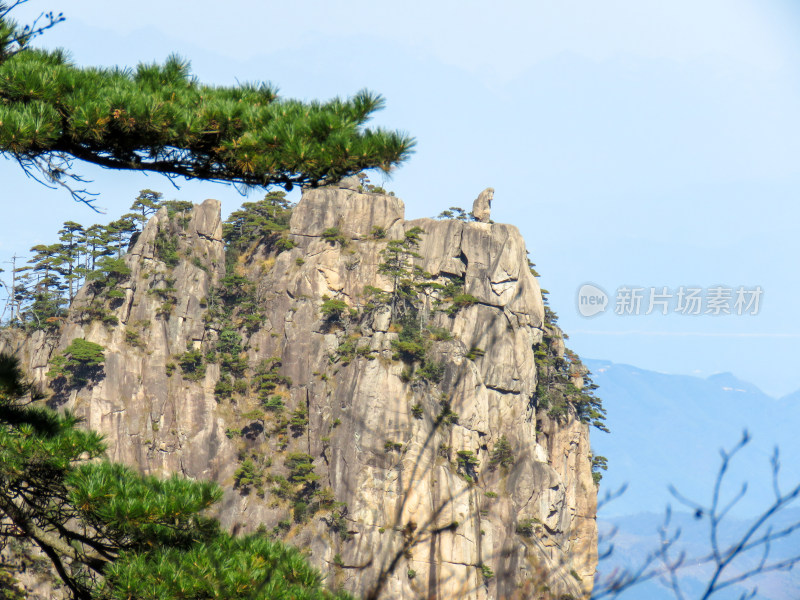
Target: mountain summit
(363, 386)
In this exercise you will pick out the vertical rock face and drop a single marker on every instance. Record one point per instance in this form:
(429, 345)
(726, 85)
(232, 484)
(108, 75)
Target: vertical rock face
(159, 423)
(420, 510)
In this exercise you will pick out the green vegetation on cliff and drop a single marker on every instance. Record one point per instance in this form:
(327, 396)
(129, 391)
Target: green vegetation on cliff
(41, 291)
(80, 362)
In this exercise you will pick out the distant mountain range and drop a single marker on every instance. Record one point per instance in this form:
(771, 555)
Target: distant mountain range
(635, 537)
(669, 429)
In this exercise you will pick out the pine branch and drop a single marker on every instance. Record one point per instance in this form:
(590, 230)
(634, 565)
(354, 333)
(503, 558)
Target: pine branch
(159, 119)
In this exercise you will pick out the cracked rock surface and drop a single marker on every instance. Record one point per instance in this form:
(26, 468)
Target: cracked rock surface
(411, 504)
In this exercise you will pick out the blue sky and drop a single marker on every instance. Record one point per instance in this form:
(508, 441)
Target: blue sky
(633, 142)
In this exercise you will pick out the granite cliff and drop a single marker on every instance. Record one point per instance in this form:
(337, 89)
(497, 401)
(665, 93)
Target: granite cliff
(363, 386)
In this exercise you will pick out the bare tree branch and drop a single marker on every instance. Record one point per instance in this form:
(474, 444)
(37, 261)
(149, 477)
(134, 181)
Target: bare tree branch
(725, 559)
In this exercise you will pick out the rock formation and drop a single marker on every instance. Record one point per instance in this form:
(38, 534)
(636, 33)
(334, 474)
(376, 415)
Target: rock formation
(482, 207)
(405, 493)
(352, 183)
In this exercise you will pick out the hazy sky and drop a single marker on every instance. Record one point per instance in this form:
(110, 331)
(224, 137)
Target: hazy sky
(634, 143)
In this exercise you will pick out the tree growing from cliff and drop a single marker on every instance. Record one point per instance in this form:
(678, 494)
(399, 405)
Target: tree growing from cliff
(144, 206)
(81, 361)
(111, 533)
(69, 256)
(398, 266)
(161, 119)
(42, 291)
(264, 221)
(564, 384)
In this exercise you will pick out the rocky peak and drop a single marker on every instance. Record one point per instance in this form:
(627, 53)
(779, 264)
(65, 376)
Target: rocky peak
(363, 386)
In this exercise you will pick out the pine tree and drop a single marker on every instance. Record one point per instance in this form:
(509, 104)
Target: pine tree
(46, 263)
(21, 293)
(145, 205)
(68, 260)
(398, 266)
(159, 118)
(96, 242)
(255, 221)
(41, 287)
(118, 235)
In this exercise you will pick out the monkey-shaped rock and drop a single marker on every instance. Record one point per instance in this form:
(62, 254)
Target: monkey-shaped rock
(482, 207)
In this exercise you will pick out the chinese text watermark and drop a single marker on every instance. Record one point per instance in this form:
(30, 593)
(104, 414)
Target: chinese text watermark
(684, 300)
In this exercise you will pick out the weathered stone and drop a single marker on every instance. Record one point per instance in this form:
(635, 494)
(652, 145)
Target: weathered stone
(482, 207)
(354, 214)
(349, 183)
(395, 470)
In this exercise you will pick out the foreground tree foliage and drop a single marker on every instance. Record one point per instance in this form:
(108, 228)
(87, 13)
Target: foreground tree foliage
(159, 118)
(112, 533)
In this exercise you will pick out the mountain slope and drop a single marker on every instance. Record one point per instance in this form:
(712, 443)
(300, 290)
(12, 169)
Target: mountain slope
(669, 429)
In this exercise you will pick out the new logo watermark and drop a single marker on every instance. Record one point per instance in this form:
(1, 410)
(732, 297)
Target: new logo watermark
(714, 300)
(592, 300)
